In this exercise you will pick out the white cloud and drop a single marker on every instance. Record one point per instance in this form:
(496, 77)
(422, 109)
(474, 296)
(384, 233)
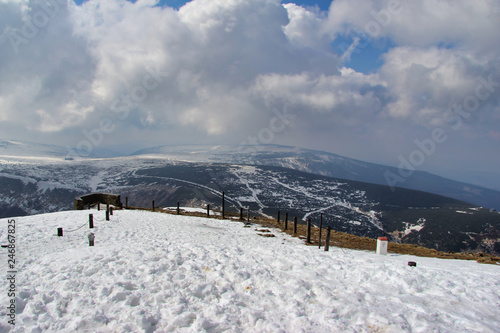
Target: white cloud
(325, 94)
(214, 70)
(420, 23)
(68, 115)
(426, 82)
(306, 28)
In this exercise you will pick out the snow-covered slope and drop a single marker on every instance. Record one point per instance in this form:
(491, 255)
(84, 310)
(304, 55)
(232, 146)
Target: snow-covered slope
(32, 187)
(152, 272)
(311, 161)
(37, 151)
(31, 150)
(327, 164)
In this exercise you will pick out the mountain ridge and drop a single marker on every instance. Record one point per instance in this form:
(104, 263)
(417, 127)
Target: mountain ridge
(307, 160)
(31, 186)
(327, 164)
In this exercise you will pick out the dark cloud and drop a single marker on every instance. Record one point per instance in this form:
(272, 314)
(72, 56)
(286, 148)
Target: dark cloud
(217, 71)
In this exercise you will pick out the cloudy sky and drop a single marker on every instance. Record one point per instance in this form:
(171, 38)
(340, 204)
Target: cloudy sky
(382, 81)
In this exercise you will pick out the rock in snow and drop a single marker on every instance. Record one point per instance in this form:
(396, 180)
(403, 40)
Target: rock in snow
(154, 272)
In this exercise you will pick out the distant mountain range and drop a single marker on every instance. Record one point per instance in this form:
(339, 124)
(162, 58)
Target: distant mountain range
(312, 161)
(328, 164)
(37, 179)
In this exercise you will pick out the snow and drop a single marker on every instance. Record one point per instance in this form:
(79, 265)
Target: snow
(25, 180)
(30, 150)
(192, 210)
(414, 227)
(155, 272)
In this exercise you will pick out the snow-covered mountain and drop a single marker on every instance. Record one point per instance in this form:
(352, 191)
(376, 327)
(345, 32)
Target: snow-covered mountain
(327, 164)
(33, 150)
(31, 185)
(153, 272)
(30, 150)
(312, 161)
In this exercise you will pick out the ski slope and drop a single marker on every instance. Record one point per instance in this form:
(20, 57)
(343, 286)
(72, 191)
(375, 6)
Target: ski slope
(155, 272)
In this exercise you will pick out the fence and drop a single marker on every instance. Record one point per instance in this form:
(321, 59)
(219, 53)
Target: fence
(311, 234)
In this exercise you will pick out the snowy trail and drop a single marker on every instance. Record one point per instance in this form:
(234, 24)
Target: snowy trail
(328, 201)
(252, 190)
(301, 190)
(153, 272)
(234, 201)
(306, 216)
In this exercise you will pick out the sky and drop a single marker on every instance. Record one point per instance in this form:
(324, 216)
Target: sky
(412, 84)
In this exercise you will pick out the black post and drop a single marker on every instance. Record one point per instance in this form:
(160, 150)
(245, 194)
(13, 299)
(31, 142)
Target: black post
(126, 203)
(99, 206)
(308, 235)
(107, 215)
(286, 221)
(110, 210)
(208, 210)
(178, 207)
(327, 242)
(320, 227)
(107, 207)
(91, 221)
(153, 205)
(59, 232)
(295, 225)
(248, 214)
(278, 219)
(223, 207)
(241, 213)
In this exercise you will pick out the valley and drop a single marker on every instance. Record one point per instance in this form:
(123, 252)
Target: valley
(46, 185)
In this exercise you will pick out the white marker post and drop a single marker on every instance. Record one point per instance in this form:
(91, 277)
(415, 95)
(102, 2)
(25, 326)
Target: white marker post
(382, 244)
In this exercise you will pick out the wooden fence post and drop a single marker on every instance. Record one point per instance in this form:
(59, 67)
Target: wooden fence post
(308, 234)
(59, 232)
(295, 225)
(178, 207)
(327, 242)
(91, 221)
(241, 213)
(98, 206)
(208, 210)
(278, 219)
(320, 227)
(110, 210)
(153, 205)
(126, 203)
(286, 221)
(107, 215)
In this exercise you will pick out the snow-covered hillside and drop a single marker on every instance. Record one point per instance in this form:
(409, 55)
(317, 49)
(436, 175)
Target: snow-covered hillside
(10, 148)
(154, 272)
(306, 160)
(328, 164)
